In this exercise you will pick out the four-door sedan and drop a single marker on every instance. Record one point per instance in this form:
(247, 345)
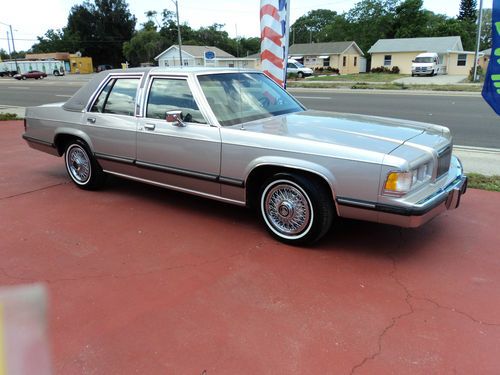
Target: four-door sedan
(36, 74)
(237, 137)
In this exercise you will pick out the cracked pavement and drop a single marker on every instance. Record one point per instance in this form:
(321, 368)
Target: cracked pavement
(145, 280)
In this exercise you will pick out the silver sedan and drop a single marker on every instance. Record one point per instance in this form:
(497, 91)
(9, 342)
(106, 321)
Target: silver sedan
(237, 137)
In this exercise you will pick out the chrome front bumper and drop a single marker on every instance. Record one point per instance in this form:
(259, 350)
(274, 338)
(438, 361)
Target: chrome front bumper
(425, 210)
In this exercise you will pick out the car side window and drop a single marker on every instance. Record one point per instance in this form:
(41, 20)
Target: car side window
(101, 99)
(118, 97)
(172, 94)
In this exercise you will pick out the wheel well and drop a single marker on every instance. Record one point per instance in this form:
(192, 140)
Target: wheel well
(62, 141)
(260, 174)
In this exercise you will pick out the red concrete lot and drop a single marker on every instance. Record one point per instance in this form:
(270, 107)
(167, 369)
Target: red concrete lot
(149, 281)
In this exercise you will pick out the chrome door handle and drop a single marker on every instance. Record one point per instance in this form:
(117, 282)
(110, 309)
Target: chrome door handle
(150, 126)
(91, 120)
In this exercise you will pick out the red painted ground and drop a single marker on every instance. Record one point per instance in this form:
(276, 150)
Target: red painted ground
(144, 280)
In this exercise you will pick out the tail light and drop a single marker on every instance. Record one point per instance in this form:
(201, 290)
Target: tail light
(24, 124)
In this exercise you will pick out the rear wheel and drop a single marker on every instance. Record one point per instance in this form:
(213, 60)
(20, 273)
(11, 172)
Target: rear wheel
(56, 73)
(82, 167)
(296, 210)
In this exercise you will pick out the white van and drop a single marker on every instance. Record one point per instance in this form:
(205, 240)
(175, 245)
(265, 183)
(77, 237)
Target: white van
(299, 69)
(426, 64)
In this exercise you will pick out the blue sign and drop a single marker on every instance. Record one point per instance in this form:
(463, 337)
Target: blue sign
(491, 88)
(209, 55)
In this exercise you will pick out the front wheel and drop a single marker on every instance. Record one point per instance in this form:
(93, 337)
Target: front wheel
(300, 75)
(296, 210)
(81, 166)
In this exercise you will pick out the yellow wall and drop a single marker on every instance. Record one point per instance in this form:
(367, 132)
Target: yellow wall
(483, 62)
(82, 65)
(350, 68)
(336, 61)
(402, 60)
(452, 67)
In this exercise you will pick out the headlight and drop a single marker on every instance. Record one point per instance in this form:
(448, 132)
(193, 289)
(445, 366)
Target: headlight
(400, 183)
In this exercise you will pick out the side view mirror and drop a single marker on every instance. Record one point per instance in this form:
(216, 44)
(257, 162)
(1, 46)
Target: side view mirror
(412, 61)
(176, 118)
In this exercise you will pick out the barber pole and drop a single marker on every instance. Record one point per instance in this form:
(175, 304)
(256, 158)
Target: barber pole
(274, 32)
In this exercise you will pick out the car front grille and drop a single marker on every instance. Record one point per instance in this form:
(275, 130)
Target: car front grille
(444, 160)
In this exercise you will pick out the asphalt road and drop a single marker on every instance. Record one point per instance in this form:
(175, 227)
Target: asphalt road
(472, 122)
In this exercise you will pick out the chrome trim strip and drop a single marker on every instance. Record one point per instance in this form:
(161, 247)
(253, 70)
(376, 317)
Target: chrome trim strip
(178, 171)
(355, 203)
(114, 158)
(39, 141)
(194, 192)
(231, 181)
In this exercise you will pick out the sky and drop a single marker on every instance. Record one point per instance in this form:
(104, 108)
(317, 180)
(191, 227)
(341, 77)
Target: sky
(241, 17)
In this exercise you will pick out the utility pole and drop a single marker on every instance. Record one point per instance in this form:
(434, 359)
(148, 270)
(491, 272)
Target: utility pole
(13, 46)
(178, 31)
(478, 41)
(8, 44)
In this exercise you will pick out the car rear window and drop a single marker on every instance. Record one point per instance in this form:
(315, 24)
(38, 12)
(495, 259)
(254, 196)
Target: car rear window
(117, 97)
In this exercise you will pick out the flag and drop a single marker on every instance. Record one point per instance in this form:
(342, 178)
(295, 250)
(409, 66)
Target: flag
(491, 88)
(274, 34)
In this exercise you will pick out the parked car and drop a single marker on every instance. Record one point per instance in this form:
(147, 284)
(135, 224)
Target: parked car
(36, 74)
(7, 73)
(237, 137)
(297, 68)
(101, 68)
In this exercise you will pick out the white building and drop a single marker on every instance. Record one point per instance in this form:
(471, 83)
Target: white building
(202, 56)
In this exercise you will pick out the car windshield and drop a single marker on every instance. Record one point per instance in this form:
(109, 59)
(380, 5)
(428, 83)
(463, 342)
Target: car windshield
(236, 98)
(424, 59)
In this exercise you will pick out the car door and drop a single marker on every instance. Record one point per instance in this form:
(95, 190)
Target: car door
(184, 156)
(111, 123)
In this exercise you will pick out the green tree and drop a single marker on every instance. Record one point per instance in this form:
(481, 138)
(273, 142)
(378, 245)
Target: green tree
(486, 29)
(311, 26)
(370, 21)
(467, 10)
(410, 19)
(56, 41)
(144, 46)
(102, 28)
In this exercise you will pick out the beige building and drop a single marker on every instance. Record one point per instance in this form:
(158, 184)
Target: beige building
(401, 52)
(209, 56)
(347, 57)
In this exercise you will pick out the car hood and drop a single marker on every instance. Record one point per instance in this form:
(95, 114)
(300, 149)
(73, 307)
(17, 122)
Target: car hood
(372, 133)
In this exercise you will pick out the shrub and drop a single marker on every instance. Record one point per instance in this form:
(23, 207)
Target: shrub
(480, 74)
(395, 70)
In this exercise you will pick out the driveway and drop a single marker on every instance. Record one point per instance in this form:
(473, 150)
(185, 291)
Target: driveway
(445, 79)
(149, 281)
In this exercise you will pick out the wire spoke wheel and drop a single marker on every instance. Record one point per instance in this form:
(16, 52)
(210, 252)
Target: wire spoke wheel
(296, 209)
(78, 164)
(287, 209)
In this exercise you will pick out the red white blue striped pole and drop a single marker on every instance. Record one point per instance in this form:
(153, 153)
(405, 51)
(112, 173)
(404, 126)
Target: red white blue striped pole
(274, 33)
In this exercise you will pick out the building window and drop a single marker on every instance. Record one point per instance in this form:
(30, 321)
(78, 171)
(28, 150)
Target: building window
(344, 61)
(355, 60)
(387, 60)
(462, 59)
(326, 62)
